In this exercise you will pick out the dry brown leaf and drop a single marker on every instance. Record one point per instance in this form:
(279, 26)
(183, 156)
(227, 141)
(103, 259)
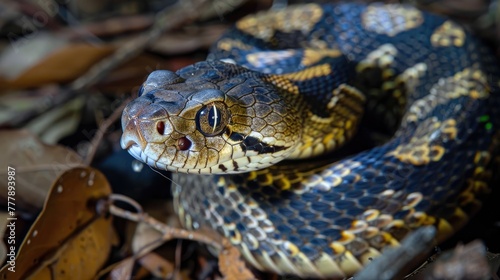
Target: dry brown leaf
(24, 52)
(157, 265)
(61, 66)
(71, 238)
(145, 237)
(112, 26)
(123, 270)
(188, 40)
(231, 265)
(144, 241)
(131, 73)
(37, 166)
(61, 121)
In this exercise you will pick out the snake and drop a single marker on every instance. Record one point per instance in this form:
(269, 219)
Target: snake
(315, 137)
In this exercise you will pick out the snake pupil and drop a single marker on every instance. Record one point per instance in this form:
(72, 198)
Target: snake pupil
(160, 127)
(183, 143)
(212, 119)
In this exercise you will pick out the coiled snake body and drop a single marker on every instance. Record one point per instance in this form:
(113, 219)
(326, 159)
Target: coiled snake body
(297, 83)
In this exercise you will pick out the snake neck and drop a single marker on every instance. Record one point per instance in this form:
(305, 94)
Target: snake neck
(308, 112)
(326, 126)
(330, 108)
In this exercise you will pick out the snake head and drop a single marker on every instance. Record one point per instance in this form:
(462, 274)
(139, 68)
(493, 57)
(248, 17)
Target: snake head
(210, 117)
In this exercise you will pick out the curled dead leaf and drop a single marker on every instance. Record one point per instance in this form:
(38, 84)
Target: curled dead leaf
(72, 236)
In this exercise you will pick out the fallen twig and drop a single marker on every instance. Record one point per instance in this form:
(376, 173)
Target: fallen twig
(167, 231)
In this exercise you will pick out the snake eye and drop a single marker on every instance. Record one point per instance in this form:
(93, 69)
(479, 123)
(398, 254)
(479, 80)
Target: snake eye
(160, 127)
(212, 119)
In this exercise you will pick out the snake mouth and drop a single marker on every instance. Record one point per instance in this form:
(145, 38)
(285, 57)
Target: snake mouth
(132, 140)
(131, 143)
(136, 151)
(128, 144)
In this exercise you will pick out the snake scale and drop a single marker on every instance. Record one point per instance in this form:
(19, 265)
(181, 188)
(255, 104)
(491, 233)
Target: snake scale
(282, 91)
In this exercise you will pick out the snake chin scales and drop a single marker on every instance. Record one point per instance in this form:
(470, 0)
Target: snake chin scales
(289, 132)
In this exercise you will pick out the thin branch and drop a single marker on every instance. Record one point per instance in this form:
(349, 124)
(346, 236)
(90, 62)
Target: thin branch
(103, 127)
(167, 19)
(167, 231)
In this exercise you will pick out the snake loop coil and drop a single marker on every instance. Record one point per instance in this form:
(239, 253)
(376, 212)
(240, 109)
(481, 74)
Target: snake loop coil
(268, 120)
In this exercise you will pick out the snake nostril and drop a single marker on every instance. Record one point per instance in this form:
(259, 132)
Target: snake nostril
(140, 92)
(160, 127)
